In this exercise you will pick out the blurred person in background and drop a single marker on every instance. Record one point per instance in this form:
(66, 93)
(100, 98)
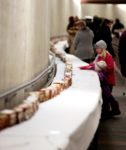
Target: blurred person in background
(104, 33)
(96, 24)
(117, 28)
(71, 30)
(83, 42)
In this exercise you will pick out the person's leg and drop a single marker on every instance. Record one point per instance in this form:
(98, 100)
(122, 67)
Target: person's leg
(105, 106)
(110, 87)
(114, 106)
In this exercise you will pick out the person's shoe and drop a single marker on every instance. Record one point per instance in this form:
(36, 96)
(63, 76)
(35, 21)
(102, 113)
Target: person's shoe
(115, 113)
(105, 116)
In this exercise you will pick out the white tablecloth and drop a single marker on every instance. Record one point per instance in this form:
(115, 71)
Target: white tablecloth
(66, 122)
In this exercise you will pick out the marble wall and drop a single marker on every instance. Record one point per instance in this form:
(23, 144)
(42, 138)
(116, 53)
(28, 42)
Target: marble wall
(24, 45)
(24, 41)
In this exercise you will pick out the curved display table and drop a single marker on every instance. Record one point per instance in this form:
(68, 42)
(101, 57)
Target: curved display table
(67, 121)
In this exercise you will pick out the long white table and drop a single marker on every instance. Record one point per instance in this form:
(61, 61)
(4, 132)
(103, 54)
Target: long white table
(66, 122)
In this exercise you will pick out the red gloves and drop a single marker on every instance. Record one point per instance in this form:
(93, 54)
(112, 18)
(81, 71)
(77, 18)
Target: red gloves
(88, 67)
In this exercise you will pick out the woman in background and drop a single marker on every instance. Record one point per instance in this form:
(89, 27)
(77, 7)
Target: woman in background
(71, 30)
(83, 42)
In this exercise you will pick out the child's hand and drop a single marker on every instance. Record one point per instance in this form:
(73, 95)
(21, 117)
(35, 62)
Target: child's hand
(88, 67)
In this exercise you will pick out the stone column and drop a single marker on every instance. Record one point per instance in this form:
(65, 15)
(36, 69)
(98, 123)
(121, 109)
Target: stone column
(24, 41)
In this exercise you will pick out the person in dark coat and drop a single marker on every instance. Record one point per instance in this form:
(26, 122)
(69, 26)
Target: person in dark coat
(104, 33)
(116, 27)
(122, 53)
(95, 24)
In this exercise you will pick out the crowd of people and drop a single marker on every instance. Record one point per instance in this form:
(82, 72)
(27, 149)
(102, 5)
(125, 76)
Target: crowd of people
(92, 43)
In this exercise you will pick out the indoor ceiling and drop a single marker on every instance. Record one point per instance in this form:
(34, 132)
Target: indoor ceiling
(104, 1)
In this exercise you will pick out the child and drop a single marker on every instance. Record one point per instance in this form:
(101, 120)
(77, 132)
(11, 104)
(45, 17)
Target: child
(106, 76)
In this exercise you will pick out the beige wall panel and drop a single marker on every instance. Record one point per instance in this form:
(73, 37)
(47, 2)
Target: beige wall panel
(60, 11)
(100, 10)
(24, 44)
(119, 12)
(105, 10)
